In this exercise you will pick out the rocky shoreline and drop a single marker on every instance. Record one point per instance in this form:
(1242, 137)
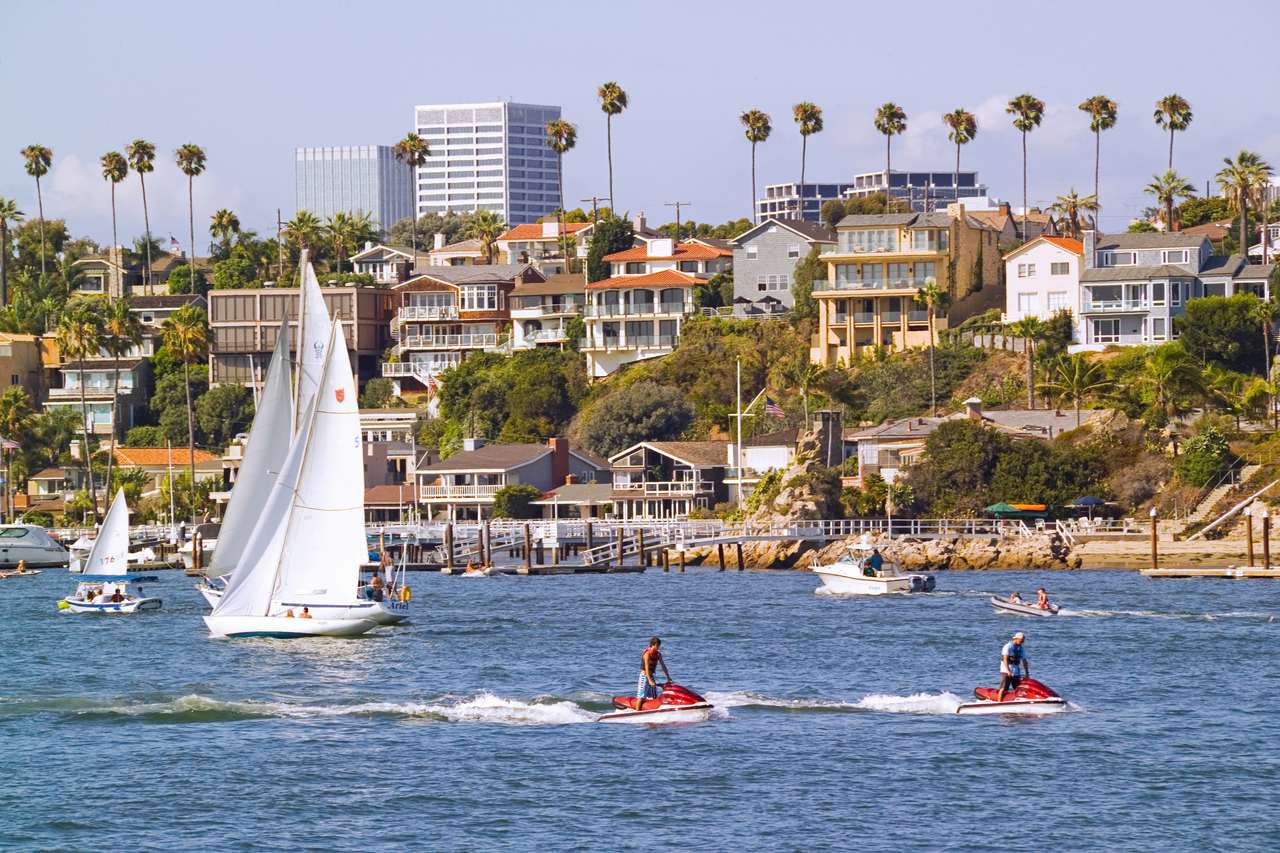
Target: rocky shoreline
(952, 553)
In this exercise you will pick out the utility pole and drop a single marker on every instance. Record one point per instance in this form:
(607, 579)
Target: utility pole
(279, 250)
(677, 205)
(595, 207)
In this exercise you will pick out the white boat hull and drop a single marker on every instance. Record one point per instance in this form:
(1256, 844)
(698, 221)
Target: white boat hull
(1005, 606)
(671, 714)
(1014, 706)
(285, 627)
(853, 583)
(135, 605)
(212, 595)
(379, 612)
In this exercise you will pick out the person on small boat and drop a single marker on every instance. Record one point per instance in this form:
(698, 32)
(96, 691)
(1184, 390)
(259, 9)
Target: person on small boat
(375, 588)
(1013, 663)
(1042, 599)
(22, 567)
(649, 663)
(117, 597)
(306, 612)
(1014, 598)
(874, 563)
(288, 614)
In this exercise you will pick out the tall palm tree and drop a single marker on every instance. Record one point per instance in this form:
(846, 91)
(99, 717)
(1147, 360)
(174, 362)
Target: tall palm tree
(1027, 111)
(808, 117)
(142, 157)
(15, 423)
(186, 335)
(9, 212)
(1031, 330)
(224, 224)
(191, 161)
(1262, 203)
(613, 100)
(890, 120)
(758, 128)
(413, 151)
(121, 332)
(39, 159)
(79, 336)
(1102, 116)
(1173, 113)
(1239, 180)
(1071, 206)
(561, 137)
(304, 230)
(934, 298)
(962, 128)
(487, 226)
(338, 230)
(1075, 378)
(1167, 188)
(115, 169)
(1172, 375)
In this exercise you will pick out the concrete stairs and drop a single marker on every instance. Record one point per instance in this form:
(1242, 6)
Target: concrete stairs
(1211, 500)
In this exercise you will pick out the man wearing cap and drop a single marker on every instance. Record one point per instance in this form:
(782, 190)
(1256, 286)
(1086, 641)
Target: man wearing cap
(1013, 663)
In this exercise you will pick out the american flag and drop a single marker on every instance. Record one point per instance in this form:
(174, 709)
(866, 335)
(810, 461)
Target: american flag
(432, 387)
(772, 408)
(174, 246)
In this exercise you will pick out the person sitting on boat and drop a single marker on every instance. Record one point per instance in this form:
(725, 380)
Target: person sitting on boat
(22, 567)
(306, 612)
(874, 563)
(117, 597)
(375, 588)
(1013, 663)
(1014, 598)
(1042, 599)
(649, 663)
(288, 614)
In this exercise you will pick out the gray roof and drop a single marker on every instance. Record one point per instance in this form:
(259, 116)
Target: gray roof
(1134, 273)
(1176, 240)
(936, 219)
(1222, 264)
(167, 300)
(1256, 271)
(490, 457)
(579, 493)
(863, 219)
(696, 453)
(781, 438)
(478, 273)
(813, 232)
(1026, 422)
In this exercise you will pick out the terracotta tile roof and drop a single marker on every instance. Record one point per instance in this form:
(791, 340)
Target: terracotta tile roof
(661, 278)
(1067, 243)
(683, 252)
(533, 231)
(1215, 231)
(156, 456)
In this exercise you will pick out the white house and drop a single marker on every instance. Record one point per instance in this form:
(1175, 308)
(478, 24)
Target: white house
(1042, 277)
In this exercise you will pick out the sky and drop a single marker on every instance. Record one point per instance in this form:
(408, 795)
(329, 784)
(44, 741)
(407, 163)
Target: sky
(250, 81)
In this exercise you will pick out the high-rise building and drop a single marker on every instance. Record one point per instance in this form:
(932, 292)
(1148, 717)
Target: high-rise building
(490, 156)
(925, 191)
(353, 178)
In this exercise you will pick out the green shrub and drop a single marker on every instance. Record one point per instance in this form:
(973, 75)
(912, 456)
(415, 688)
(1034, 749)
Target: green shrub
(1205, 457)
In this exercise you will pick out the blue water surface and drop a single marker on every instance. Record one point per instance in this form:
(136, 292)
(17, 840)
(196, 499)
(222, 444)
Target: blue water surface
(474, 727)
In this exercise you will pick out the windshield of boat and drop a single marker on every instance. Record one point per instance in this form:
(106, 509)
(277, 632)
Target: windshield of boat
(13, 532)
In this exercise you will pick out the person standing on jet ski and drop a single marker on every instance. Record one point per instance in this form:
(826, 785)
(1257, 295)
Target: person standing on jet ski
(1013, 663)
(649, 663)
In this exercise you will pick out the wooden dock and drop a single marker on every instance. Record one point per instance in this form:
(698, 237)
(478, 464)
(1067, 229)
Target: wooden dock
(1228, 572)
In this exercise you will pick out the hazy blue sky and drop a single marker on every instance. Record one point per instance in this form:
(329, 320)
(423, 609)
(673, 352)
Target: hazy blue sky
(249, 81)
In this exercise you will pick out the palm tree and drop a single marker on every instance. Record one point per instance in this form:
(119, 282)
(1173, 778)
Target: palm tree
(1071, 206)
(758, 129)
(39, 159)
(191, 160)
(224, 224)
(15, 423)
(963, 127)
(890, 120)
(1239, 180)
(1172, 375)
(1266, 313)
(121, 332)
(1075, 378)
(79, 336)
(1027, 111)
(186, 335)
(413, 151)
(1031, 330)
(8, 213)
(115, 169)
(487, 226)
(1167, 188)
(142, 157)
(561, 137)
(1173, 113)
(808, 117)
(613, 100)
(1261, 203)
(338, 229)
(934, 298)
(1102, 116)
(304, 230)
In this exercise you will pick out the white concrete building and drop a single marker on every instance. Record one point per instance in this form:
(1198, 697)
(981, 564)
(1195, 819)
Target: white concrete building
(1042, 277)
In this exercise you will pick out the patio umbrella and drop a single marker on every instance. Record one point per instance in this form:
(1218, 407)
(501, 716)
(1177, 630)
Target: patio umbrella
(1002, 509)
(1088, 502)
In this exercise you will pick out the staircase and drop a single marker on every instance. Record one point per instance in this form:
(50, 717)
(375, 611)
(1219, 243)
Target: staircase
(1217, 493)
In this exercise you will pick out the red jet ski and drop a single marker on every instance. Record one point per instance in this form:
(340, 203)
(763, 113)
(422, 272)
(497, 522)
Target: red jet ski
(675, 704)
(1029, 697)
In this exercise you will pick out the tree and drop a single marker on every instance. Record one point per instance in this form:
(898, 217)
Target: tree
(613, 100)
(114, 170)
(516, 501)
(224, 224)
(377, 393)
(233, 273)
(15, 425)
(933, 297)
(643, 411)
(142, 157)
(224, 412)
(186, 335)
(487, 226)
(191, 161)
(304, 231)
(1173, 113)
(808, 117)
(1071, 206)
(79, 336)
(890, 120)
(1102, 116)
(1027, 111)
(1030, 329)
(561, 137)
(1224, 330)
(757, 129)
(611, 234)
(1172, 377)
(1204, 457)
(962, 129)
(959, 459)
(184, 278)
(1239, 180)
(1075, 378)
(1167, 189)
(121, 332)
(145, 436)
(1198, 211)
(38, 160)
(8, 213)
(413, 151)
(1141, 226)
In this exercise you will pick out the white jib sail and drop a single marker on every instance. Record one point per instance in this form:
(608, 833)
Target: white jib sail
(110, 553)
(268, 445)
(313, 337)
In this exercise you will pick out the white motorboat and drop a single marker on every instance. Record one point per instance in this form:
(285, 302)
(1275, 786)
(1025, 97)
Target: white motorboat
(106, 597)
(852, 574)
(209, 535)
(1004, 605)
(105, 587)
(30, 544)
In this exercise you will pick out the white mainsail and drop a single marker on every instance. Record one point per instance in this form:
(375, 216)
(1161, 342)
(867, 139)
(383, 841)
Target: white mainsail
(110, 553)
(269, 440)
(314, 327)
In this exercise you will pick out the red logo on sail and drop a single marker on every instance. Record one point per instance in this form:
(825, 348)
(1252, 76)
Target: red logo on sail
(340, 393)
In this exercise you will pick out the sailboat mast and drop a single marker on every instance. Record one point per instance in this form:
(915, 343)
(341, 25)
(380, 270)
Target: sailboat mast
(297, 341)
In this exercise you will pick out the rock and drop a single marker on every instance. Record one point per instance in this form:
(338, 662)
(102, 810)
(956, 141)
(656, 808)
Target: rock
(1039, 551)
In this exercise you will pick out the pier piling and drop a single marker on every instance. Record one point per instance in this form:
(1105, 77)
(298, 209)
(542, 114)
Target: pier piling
(528, 551)
(720, 552)
(741, 565)
(644, 555)
(666, 560)
(1248, 532)
(681, 553)
(1155, 556)
(622, 537)
(591, 538)
(448, 546)
(1266, 539)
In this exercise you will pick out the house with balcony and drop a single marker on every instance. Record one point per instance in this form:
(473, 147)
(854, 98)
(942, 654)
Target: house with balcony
(1134, 286)
(544, 244)
(463, 253)
(669, 479)
(765, 257)
(463, 486)
(444, 313)
(387, 264)
(541, 310)
(158, 462)
(877, 268)
(98, 376)
(118, 272)
(1042, 277)
(637, 312)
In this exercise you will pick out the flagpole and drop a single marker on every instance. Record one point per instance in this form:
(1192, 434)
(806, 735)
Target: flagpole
(737, 461)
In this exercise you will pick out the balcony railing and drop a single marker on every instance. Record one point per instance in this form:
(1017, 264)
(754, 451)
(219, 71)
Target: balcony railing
(913, 283)
(427, 312)
(417, 369)
(1103, 306)
(864, 317)
(664, 487)
(563, 309)
(633, 342)
(472, 341)
(638, 310)
(546, 336)
(460, 491)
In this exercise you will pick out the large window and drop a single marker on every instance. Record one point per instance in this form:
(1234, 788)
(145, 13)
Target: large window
(897, 274)
(480, 297)
(634, 268)
(1060, 268)
(928, 239)
(924, 270)
(1026, 303)
(869, 240)
(1058, 301)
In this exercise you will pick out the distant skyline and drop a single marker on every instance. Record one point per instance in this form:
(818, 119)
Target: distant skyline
(250, 83)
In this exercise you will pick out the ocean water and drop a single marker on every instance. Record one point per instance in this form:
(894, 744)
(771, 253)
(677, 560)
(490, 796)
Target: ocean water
(474, 727)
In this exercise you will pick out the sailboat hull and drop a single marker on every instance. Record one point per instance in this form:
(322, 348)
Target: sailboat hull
(285, 627)
(379, 612)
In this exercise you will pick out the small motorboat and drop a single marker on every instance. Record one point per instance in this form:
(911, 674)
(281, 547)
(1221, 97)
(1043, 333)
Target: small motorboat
(852, 574)
(25, 573)
(101, 597)
(675, 704)
(32, 545)
(104, 587)
(1029, 697)
(1004, 605)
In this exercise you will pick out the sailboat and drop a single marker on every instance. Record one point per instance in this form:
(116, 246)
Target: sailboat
(105, 586)
(301, 566)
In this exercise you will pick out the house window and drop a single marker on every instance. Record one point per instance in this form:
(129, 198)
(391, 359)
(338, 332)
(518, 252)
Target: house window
(1175, 256)
(1157, 293)
(1116, 259)
(1175, 293)
(762, 283)
(925, 270)
(897, 274)
(634, 268)
(1058, 301)
(793, 251)
(752, 252)
(480, 297)
(1026, 303)
(13, 379)
(688, 266)
(1060, 268)
(1026, 270)
(1157, 328)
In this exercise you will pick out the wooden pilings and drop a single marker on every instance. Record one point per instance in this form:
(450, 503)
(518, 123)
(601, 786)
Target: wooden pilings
(448, 546)
(741, 565)
(644, 561)
(1266, 539)
(720, 552)
(622, 537)
(1155, 550)
(486, 545)
(1248, 532)
(528, 550)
